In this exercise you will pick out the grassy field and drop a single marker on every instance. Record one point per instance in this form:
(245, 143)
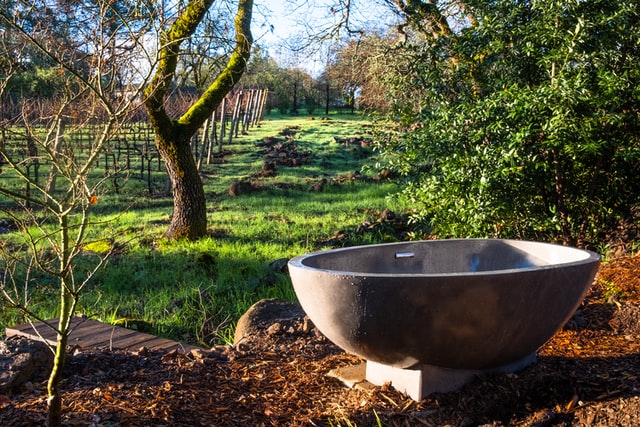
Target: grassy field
(195, 291)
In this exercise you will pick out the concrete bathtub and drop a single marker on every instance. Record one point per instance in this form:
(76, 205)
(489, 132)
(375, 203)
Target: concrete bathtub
(439, 312)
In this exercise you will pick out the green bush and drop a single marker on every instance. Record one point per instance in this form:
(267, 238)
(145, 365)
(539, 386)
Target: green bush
(524, 124)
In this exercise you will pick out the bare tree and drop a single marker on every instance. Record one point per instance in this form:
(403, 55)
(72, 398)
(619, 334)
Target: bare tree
(93, 91)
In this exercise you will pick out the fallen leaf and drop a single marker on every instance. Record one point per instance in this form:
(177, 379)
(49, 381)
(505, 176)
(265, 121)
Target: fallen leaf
(572, 403)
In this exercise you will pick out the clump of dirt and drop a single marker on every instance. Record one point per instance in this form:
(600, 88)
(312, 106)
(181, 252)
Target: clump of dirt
(358, 141)
(289, 131)
(351, 176)
(283, 153)
(237, 188)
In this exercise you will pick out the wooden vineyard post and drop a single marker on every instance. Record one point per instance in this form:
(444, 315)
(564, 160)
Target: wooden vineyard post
(127, 148)
(263, 102)
(247, 112)
(143, 157)
(212, 137)
(55, 152)
(204, 142)
(32, 153)
(150, 131)
(256, 107)
(255, 118)
(149, 186)
(233, 131)
(223, 118)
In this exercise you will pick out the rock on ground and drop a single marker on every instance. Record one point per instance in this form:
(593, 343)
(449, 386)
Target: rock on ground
(269, 317)
(23, 360)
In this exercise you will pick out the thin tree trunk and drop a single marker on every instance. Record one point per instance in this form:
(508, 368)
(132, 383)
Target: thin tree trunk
(294, 108)
(326, 99)
(54, 398)
(67, 306)
(560, 197)
(595, 177)
(2, 144)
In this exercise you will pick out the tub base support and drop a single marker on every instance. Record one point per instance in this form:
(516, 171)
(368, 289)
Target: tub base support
(422, 380)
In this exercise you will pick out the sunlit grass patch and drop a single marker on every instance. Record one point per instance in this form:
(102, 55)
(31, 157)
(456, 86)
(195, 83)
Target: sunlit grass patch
(196, 291)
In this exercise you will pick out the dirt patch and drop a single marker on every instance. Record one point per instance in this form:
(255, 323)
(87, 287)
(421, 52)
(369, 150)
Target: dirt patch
(386, 226)
(283, 153)
(289, 131)
(586, 375)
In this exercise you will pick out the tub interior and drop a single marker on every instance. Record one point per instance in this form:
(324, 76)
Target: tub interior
(443, 257)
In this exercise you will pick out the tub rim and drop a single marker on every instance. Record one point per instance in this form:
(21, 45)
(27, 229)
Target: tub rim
(588, 258)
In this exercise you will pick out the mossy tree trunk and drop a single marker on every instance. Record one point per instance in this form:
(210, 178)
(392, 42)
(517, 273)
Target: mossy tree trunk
(189, 218)
(173, 136)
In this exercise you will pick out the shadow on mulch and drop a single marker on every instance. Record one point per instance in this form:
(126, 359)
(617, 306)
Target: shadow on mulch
(555, 391)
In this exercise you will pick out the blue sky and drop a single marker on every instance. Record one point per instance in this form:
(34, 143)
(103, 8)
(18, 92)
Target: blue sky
(280, 20)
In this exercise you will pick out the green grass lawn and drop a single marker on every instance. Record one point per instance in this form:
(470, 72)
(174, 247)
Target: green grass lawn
(195, 291)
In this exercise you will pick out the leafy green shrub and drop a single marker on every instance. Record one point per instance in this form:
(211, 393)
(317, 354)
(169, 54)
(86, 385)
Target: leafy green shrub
(525, 122)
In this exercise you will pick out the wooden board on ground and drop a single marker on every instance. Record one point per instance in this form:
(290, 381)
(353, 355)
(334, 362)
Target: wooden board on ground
(91, 334)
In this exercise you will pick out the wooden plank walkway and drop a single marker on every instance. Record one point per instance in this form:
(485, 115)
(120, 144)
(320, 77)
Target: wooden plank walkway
(91, 334)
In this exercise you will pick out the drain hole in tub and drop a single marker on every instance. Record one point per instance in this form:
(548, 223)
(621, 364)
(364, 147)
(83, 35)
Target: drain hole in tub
(405, 255)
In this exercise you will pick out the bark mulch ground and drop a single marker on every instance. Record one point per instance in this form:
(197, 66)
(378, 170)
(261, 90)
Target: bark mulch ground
(586, 375)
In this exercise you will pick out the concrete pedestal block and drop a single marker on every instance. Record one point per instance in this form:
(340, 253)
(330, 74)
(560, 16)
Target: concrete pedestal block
(422, 380)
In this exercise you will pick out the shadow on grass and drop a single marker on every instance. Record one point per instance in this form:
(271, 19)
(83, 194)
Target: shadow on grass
(191, 292)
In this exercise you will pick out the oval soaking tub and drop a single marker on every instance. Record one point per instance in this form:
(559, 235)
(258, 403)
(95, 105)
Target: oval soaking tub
(461, 304)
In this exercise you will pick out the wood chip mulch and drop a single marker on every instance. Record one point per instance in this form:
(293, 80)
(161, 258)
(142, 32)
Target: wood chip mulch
(588, 374)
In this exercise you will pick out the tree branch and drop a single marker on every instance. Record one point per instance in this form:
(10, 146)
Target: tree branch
(211, 98)
(183, 27)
